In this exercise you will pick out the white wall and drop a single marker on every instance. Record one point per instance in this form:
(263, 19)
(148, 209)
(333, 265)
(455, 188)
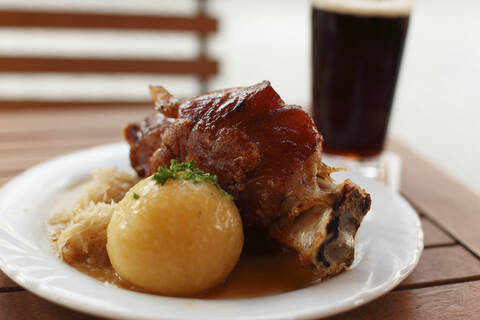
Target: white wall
(264, 40)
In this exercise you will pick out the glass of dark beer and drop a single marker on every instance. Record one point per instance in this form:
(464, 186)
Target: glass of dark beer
(357, 49)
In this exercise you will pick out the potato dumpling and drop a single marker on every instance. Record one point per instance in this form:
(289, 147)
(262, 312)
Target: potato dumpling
(179, 238)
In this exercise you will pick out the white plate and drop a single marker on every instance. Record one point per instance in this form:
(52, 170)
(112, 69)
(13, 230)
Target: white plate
(389, 244)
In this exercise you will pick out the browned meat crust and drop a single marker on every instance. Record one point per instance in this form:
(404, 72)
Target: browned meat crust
(265, 153)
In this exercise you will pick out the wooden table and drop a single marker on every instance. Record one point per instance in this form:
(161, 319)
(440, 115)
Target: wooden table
(445, 285)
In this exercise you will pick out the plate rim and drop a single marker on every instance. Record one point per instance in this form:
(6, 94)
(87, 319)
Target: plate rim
(19, 277)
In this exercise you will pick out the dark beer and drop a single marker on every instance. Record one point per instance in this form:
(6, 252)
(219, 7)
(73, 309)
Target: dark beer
(356, 59)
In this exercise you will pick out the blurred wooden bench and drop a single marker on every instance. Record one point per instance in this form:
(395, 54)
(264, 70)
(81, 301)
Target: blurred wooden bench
(200, 67)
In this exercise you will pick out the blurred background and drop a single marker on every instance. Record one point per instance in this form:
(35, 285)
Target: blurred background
(437, 105)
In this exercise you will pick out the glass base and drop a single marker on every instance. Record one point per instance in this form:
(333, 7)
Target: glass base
(386, 167)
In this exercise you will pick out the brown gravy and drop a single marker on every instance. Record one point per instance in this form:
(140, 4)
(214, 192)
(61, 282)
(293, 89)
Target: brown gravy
(263, 275)
(263, 269)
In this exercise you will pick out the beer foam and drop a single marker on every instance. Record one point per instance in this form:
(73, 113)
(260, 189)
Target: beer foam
(370, 8)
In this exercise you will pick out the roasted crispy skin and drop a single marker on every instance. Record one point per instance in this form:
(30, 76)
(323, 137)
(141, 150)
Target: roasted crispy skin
(268, 156)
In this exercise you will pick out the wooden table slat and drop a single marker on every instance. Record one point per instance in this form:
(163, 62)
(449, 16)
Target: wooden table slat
(13, 164)
(28, 158)
(8, 174)
(33, 121)
(84, 20)
(443, 265)
(21, 163)
(434, 236)
(36, 64)
(454, 302)
(23, 305)
(62, 104)
(40, 135)
(4, 180)
(441, 198)
(60, 142)
(5, 282)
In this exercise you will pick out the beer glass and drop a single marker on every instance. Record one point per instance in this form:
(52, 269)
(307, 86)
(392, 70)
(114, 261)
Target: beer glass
(357, 49)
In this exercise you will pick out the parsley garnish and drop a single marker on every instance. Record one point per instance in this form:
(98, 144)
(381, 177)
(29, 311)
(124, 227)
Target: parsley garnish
(186, 171)
(136, 196)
